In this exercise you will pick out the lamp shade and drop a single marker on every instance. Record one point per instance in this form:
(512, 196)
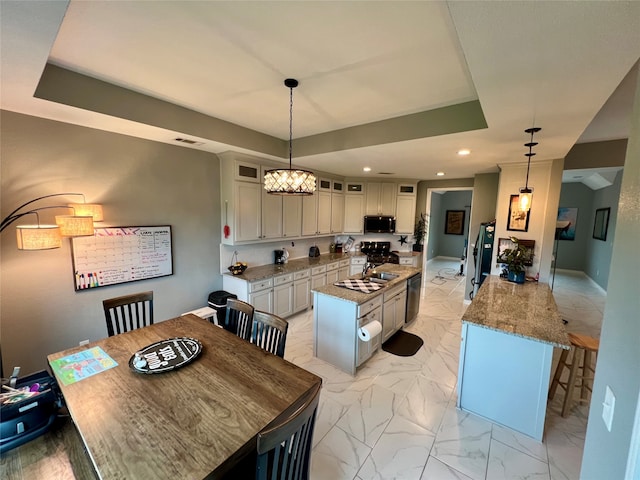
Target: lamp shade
(289, 182)
(526, 195)
(38, 237)
(75, 226)
(88, 210)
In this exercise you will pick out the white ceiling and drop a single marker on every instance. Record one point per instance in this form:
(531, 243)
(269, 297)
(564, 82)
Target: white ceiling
(549, 64)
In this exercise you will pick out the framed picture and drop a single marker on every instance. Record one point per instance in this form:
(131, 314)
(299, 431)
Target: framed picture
(601, 223)
(566, 223)
(504, 243)
(518, 220)
(454, 224)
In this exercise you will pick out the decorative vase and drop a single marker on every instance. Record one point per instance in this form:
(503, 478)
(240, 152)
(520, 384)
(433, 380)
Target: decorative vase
(516, 277)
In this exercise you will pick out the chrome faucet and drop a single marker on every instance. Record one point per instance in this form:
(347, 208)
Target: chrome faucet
(367, 267)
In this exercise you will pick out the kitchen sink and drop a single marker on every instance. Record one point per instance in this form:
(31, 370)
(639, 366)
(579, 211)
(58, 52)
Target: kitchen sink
(381, 277)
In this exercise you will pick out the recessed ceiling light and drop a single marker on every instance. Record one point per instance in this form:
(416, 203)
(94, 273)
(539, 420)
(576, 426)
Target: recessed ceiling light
(440, 174)
(366, 169)
(464, 152)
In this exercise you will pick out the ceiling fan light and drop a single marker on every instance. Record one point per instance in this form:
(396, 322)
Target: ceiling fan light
(38, 237)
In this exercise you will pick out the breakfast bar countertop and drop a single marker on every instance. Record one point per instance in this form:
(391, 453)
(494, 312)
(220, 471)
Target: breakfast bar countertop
(527, 310)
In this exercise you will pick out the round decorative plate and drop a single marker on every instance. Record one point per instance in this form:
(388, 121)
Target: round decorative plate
(165, 355)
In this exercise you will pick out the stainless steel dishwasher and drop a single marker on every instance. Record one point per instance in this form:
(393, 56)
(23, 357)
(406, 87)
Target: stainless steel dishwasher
(414, 284)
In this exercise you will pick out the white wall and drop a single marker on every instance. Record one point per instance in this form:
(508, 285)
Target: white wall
(139, 182)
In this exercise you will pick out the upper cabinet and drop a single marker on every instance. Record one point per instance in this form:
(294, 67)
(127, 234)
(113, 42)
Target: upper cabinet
(406, 208)
(337, 206)
(380, 198)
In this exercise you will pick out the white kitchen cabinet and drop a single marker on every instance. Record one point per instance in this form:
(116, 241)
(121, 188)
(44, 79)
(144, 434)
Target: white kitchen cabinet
(380, 198)
(343, 268)
(283, 295)
(332, 272)
(357, 264)
(247, 223)
(260, 294)
(393, 310)
(318, 279)
(412, 261)
(271, 215)
(316, 214)
(337, 212)
(301, 290)
(405, 214)
(291, 216)
(353, 213)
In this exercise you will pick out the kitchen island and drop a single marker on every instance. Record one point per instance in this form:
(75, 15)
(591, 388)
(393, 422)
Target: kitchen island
(508, 335)
(339, 312)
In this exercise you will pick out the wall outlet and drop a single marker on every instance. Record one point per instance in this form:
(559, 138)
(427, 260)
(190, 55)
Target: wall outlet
(82, 343)
(608, 406)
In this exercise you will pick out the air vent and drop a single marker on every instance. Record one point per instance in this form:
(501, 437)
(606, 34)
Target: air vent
(385, 173)
(188, 142)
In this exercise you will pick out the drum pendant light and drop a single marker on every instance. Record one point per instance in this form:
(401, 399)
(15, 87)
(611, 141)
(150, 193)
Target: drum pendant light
(526, 193)
(289, 181)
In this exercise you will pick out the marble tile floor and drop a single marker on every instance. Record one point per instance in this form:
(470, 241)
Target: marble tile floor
(397, 417)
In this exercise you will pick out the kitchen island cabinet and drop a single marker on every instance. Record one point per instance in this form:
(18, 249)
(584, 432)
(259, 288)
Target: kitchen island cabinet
(339, 312)
(508, 335)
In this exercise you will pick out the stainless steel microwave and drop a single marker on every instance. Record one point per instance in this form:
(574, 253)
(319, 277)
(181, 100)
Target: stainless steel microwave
(379, 224)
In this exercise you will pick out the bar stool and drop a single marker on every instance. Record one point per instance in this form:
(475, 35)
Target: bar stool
(582, 346)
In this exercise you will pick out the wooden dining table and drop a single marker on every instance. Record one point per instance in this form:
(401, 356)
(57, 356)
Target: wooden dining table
(198, 421)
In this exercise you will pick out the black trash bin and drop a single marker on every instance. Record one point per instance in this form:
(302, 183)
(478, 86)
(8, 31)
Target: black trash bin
(218, 301)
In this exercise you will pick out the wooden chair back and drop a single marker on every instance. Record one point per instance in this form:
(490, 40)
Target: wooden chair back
(269, 332)
(128, 312)
(238, 318)
(284, 449)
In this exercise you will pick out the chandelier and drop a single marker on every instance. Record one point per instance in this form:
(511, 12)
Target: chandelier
(526, 193)
(290, 181)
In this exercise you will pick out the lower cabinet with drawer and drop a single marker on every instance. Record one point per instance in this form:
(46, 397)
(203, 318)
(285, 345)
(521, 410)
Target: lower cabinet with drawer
(357, 264)
(282, 295)
(336, 324)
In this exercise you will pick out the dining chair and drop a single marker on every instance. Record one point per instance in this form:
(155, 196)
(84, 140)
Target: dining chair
(238, 318)
(269, 332)
(128, 312)
(284, 449)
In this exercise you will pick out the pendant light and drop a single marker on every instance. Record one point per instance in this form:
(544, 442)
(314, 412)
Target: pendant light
(288, 181)
(526, 193)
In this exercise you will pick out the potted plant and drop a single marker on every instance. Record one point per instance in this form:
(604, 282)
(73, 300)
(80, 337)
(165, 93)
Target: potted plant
(419, 231)
(516, 259)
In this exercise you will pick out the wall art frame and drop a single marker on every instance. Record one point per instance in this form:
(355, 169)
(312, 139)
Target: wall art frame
(454, 222)
(518, 221)
(601, 223)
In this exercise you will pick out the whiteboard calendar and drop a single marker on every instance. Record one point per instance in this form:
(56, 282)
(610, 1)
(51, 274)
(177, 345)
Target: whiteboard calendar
(121, 254)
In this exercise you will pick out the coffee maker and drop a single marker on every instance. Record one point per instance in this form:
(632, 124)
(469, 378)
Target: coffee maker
(279, 257)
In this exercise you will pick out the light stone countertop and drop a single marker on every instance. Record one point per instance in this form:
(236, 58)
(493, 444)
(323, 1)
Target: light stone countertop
(526, 310)
(261, 272)
(357, 297)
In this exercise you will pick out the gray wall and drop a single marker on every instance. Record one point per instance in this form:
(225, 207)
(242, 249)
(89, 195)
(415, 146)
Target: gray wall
(606, 453)
(598, 257)
(453, 245)
(435, 218)
(585, 253)
(571, 253)
(139, 182)
(483, 209)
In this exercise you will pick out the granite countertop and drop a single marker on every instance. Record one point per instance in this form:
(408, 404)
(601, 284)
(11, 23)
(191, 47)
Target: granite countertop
(407, 254)
(252, 274)
(354, 296)
(526, 310)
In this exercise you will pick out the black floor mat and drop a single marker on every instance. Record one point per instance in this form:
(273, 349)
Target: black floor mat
(403, 344)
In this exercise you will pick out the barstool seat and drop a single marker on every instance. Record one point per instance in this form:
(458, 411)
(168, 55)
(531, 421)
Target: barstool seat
(582, 346)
